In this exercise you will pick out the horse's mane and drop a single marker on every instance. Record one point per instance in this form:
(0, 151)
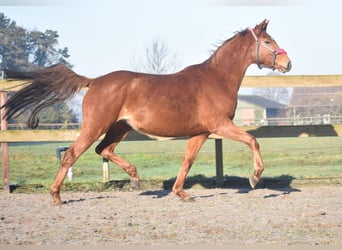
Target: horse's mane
(221, 43)
(236, 33)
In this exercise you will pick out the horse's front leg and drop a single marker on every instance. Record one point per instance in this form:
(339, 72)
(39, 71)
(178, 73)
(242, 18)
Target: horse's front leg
(230, 131)
(194, 145)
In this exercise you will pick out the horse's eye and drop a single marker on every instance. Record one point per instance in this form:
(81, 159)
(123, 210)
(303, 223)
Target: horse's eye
(267, 41)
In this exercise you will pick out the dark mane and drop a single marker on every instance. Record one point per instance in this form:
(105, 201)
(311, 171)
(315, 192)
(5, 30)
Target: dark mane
(237, 33)
(222, 43)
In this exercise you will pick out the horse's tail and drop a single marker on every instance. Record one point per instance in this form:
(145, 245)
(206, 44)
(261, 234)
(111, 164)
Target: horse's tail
(48, 86)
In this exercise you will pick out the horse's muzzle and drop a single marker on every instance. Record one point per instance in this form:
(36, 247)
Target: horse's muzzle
(286, 68)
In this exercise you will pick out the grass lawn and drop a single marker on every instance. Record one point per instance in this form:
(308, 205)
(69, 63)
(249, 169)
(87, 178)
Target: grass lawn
(311, 157)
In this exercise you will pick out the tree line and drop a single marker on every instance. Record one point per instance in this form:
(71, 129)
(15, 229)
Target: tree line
(22, 49)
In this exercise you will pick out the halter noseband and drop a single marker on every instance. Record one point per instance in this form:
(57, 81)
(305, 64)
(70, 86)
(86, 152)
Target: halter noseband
(275, 52)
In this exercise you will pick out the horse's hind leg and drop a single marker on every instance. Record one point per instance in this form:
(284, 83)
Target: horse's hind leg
(194, 145)
(82, 143)
(116, 133)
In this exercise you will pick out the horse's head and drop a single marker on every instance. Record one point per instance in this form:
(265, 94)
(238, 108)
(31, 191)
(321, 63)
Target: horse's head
(267, 52)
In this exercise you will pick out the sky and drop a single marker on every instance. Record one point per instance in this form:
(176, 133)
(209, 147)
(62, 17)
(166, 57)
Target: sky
(105, 35)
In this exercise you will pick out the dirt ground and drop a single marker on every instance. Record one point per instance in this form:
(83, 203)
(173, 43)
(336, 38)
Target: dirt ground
(305, 216)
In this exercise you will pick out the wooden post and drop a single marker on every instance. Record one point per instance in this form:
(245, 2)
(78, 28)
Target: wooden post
(219, 162)
(105, 167)
(4, 146)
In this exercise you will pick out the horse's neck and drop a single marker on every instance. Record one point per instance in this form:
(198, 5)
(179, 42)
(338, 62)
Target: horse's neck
(232, 59)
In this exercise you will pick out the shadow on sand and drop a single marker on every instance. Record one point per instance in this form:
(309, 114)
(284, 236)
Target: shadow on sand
(281, 183)
(162, 188)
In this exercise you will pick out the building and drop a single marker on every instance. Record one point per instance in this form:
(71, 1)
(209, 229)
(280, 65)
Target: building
(257, 110)
(316, 105)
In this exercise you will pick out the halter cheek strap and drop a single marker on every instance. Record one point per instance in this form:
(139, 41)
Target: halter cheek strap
(275, 52)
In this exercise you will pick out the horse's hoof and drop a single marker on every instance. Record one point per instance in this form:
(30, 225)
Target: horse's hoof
(56, 198)
(188, 199)
(135, 183)
(58, 203)
(253, 180)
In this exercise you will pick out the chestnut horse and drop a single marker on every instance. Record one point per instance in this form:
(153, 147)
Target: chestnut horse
(197, 101)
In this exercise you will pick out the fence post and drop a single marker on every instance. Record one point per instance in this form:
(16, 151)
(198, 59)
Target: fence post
(4, 145)
(219, 162)
(105, 168)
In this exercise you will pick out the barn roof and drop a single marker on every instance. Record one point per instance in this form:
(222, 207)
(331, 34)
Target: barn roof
(261, 102)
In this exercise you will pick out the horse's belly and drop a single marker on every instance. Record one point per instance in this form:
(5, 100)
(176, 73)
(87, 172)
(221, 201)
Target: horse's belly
(164, 129)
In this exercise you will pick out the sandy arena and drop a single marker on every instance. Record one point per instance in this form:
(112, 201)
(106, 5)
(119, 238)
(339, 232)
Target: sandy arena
(305, 216)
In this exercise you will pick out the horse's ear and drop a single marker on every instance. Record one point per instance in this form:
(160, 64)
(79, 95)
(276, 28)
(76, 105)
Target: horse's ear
(262, 26)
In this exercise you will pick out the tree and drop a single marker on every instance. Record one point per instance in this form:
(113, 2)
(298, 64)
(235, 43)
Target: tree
(281, 95)
(43, 48)
(22, 50)
(157, 59)
(13, 46)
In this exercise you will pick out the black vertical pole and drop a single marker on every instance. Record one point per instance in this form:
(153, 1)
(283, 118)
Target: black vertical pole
(219, 162)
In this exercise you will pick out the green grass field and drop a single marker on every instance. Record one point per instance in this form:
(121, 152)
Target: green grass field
(311, 157)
